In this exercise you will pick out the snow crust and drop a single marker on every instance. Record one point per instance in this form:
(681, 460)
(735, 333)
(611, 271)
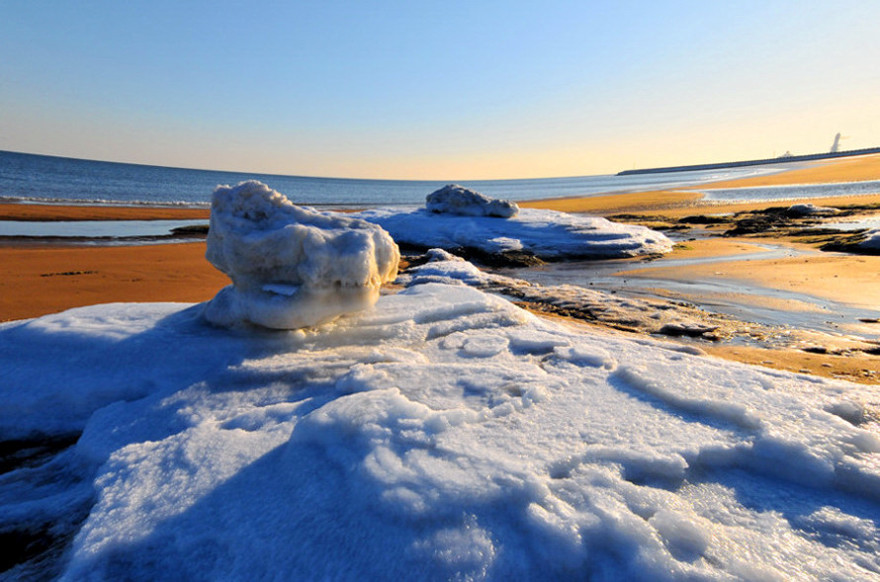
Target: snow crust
(545, 233)
(810, 209)
(292, 266)
(461, 201)
(444, 434)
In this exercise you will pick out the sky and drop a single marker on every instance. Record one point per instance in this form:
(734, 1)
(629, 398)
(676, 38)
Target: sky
(437, 90)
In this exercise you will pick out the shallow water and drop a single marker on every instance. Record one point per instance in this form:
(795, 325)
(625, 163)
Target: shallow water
(867, 222)
(739, 299)
(791, 192)
(93, 228)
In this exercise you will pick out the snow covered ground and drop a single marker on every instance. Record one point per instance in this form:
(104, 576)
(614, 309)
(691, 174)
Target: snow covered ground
(443, 434)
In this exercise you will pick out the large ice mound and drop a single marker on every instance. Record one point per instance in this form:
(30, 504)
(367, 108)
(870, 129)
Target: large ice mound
(458, 200)
(292, 266)
(445, 434)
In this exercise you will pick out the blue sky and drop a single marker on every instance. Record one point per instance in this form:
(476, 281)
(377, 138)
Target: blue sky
(442, 90)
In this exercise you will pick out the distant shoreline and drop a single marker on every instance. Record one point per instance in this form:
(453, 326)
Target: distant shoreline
(724, 165)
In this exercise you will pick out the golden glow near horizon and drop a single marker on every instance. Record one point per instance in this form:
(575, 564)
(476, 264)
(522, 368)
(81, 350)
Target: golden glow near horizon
(440, 91)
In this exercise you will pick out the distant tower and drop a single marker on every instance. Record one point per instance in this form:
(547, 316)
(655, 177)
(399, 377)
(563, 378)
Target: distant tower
(835, 147)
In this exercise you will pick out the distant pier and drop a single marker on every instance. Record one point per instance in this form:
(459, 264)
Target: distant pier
(782, 160)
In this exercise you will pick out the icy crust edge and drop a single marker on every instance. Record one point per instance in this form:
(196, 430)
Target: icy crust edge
(292, 266)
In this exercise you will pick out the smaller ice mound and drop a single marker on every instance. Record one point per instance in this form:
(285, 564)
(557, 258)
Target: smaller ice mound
(545, 234)
(809, 209)
(461, 201)
(291, 266)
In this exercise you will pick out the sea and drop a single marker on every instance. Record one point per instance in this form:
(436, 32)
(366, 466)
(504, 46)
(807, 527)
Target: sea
(31, 178)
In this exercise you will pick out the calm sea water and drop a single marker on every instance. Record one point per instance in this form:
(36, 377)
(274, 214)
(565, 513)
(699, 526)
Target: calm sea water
(36, 178)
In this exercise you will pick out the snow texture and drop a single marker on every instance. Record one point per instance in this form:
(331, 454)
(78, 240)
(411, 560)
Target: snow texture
(461, 201)
(292, 266)
(545, 233)
(444, 434)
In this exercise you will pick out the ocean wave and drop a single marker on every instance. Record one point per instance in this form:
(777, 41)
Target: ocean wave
(171, 203)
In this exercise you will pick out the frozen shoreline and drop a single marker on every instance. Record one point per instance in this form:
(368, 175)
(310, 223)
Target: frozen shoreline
(444, 433)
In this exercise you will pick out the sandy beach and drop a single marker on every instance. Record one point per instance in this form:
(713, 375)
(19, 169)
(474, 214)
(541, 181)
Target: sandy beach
(45, 279)
(41, 278)
(850, 279)
(679, 203)
(845, 278)
(687, 200)
(57, 212)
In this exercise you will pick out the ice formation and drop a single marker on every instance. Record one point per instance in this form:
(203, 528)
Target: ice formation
(810, 209)
(461, 201)
(546, 234)
(292, 266)
(444, 434)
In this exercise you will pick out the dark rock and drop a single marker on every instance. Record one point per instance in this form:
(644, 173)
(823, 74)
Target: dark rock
(686, 329)
(702, 219)
(816, 350)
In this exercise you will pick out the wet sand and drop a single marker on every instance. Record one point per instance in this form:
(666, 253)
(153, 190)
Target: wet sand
(850, 279)
(42, 279)
(853, 280)
(52, 212)
(679, 203)
(844, 278)
(699, 207)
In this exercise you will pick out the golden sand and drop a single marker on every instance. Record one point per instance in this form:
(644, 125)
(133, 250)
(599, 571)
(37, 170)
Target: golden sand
(40, 280)
(51, 212)
(636, 202)
(685, 201)
(852, 368)
(855, 169)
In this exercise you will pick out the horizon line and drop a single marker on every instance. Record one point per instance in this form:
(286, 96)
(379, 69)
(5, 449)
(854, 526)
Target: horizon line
(185, 168)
